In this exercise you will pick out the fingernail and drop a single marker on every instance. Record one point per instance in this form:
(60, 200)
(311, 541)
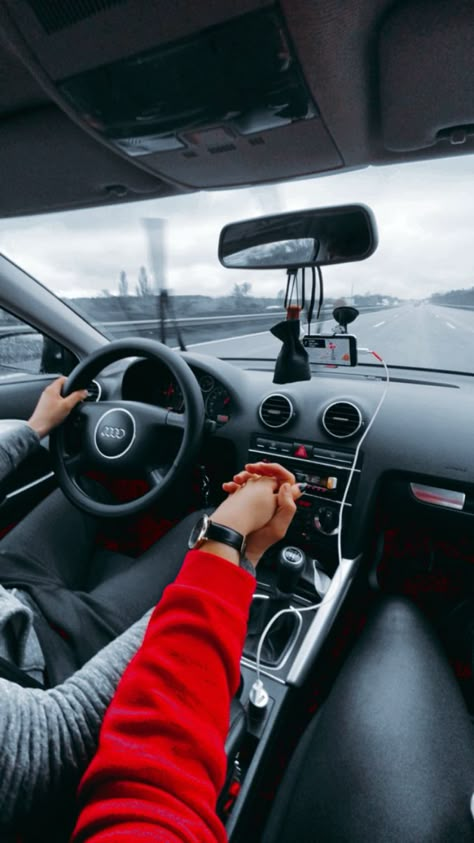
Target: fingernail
(302, 487)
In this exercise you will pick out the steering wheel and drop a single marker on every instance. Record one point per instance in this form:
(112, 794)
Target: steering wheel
(122, 436)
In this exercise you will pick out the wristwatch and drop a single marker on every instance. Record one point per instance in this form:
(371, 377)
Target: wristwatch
(207, 530)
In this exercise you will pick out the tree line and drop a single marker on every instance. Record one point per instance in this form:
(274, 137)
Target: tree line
(465, 297)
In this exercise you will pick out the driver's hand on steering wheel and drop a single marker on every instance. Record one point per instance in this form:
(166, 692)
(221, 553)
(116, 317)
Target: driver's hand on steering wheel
(261, 505)
(52, 408)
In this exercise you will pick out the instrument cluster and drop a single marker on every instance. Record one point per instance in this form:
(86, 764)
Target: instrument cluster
(153, 383)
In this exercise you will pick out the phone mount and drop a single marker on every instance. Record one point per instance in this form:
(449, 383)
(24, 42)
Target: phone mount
(344, 315)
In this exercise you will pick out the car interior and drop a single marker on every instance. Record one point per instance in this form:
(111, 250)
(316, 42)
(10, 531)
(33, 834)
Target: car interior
(108, 102)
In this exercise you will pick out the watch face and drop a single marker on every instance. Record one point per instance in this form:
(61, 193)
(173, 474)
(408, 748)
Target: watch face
(198, 532)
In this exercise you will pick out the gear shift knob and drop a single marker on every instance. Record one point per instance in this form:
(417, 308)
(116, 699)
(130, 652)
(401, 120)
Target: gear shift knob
(291, 563)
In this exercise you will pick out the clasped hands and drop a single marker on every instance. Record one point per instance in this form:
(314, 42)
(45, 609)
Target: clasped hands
(260, 505)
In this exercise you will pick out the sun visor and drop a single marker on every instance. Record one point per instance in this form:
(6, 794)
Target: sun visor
(426, 54)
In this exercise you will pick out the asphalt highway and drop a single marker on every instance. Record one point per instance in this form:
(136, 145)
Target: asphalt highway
(417, 335)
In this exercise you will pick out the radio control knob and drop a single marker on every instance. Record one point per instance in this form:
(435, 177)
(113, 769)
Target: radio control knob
(326, 520)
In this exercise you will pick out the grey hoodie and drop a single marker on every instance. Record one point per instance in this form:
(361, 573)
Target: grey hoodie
(48, 737)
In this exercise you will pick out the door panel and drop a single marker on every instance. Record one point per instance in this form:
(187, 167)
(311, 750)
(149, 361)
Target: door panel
(19, 394)
(21, 490)
(29, 361)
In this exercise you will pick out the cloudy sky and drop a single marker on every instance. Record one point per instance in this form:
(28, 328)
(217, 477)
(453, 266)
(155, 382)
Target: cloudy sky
(424, 212)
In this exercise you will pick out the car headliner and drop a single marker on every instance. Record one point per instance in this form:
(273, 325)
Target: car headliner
(391, 82)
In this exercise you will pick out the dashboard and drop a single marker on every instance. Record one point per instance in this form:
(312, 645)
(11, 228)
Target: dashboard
(419, 452)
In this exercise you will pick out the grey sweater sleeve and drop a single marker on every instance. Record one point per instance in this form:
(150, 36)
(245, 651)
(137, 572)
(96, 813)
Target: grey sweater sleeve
(17, 441)
(47, 738)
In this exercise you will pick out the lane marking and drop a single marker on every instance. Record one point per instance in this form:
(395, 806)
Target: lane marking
(460, 327)
(378, 324)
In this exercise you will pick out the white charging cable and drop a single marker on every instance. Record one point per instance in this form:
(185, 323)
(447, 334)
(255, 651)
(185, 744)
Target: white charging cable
(258, 694)
(290, 610)
(359, 445)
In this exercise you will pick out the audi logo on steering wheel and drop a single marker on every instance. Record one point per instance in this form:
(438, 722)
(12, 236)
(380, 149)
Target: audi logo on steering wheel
(115, 433)
(109, 432)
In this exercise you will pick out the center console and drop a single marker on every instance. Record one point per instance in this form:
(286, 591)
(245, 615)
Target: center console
(300, 572)
(304, 568)
(326, 471)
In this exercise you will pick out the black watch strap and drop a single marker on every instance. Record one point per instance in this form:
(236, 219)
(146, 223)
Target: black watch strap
(205, 530)
(225, 535)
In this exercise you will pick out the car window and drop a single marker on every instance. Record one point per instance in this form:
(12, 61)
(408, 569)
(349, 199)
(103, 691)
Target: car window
(26, 351)
(133, 269)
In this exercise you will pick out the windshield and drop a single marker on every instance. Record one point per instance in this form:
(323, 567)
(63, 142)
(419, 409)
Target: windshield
(415, 294)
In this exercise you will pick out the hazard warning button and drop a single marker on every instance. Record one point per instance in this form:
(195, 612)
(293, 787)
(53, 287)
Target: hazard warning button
(300, 451)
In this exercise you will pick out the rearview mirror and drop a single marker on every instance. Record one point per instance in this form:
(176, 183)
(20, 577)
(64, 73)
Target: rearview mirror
(316, 237)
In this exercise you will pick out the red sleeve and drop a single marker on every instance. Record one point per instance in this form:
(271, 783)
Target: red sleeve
(160, 764)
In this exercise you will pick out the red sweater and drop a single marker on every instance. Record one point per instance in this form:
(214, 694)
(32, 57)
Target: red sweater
(160, 764)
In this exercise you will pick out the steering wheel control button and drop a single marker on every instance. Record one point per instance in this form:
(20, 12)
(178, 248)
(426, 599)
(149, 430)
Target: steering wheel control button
(115, 433)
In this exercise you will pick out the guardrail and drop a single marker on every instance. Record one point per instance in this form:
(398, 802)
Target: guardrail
(196, 328)
(456, 306)
(191, 320)
(149, 324)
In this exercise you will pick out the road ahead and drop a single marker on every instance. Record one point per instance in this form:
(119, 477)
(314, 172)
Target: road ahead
(422, 335)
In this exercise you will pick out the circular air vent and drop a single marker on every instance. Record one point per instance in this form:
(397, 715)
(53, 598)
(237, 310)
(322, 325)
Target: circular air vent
(276, 410)
(342, 419)
(95, 391)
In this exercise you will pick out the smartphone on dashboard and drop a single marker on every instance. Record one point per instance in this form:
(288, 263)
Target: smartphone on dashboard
(332, 350)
